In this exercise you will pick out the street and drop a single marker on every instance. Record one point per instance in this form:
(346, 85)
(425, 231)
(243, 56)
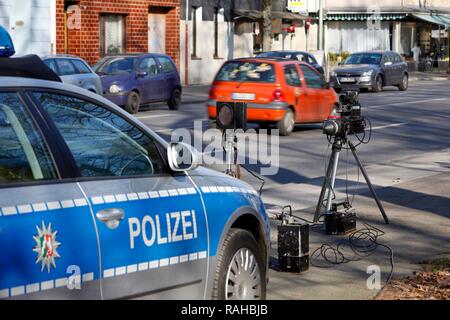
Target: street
(407, 160)
(406, 125)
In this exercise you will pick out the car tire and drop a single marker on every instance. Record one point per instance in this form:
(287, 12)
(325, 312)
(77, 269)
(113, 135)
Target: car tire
(133, 102)
(378, 86)
(175, 99)
(235, 279)
(404, 85)
(287, 124)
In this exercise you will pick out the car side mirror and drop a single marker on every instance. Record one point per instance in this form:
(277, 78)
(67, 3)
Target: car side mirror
(141, 74)
(182, 157)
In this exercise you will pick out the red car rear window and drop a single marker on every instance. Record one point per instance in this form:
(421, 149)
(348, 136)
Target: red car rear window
(245, 71)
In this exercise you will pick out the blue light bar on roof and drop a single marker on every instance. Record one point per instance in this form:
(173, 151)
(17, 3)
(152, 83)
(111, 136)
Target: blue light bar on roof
(6, 44)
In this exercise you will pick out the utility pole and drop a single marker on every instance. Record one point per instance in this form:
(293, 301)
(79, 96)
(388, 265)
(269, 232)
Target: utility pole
(321, 29)
(186, 45)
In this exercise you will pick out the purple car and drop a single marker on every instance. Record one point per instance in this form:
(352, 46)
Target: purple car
(134, 80)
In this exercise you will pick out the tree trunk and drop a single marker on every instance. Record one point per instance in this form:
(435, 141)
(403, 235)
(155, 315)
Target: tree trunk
(267, 25)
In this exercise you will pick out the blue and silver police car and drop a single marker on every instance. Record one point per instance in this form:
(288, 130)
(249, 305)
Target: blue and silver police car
(95, 205)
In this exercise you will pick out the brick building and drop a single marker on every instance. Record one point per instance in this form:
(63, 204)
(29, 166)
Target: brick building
(94, 28)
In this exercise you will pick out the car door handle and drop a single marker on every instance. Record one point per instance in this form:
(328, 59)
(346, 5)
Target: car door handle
(111, 217)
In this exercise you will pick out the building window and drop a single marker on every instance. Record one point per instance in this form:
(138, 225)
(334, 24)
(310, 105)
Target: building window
(112, 34)
(194, 32)
(216, 33)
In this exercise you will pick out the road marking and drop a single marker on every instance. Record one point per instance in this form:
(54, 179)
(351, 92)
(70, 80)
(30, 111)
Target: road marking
(155, 116)
(389, 126)
(404, 103)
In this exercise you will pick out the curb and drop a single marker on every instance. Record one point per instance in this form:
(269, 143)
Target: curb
(430, 79)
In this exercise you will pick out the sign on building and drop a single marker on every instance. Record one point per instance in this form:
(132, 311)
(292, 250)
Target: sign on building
(439, 34)
(298, 6)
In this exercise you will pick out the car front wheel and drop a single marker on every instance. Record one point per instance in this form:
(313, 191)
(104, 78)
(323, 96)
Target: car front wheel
(175, 100)
(404, 85)
(133, 102)
(240, 272)
(378, 85)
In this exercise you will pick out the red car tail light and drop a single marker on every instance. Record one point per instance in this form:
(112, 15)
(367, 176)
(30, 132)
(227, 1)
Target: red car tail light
(278, 96)
(212, 94)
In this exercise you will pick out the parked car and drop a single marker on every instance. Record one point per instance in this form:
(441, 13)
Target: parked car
(92, 199)
(74, 70)
(371, 70)
(297, 55)
(131, 81)
(277, 91)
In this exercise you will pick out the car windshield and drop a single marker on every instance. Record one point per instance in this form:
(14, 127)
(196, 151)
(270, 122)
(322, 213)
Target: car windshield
(116, 66)
(246, 71)
(364, 58)
(275, 54)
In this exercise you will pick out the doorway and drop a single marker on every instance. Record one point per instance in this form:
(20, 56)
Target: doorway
(157, 29)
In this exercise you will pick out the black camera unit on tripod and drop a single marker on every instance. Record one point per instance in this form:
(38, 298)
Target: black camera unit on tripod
(347, 119)
(231, 116)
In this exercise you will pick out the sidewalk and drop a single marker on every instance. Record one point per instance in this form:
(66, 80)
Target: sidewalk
(419, 229)
(429, 76)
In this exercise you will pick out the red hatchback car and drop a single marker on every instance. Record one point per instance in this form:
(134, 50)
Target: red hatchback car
(277, 91)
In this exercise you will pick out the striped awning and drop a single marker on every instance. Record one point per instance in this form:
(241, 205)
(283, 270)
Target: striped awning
(256, 14)
(363, 16)
(438, 19)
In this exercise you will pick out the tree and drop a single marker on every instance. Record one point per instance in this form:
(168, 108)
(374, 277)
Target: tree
(267, 25)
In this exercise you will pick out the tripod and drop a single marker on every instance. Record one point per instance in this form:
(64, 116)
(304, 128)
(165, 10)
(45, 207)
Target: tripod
(330, 177)
(231, 153)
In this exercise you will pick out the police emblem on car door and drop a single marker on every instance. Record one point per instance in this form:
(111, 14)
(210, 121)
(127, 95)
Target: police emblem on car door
(151, 225)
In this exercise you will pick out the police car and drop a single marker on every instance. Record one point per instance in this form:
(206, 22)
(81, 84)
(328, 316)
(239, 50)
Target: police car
(95, 205)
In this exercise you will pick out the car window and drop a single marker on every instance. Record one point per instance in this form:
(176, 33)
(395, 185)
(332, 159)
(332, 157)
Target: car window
(117, 66)
(52, 65)
(302, 57)
(363, 58)
(81, 66)
(397, 58)
(312, 78)
(23, 153)
(166, 64)
(312, 60)
(389, 57)
(103, 144)
(66, 68)
(292, 76)
(274, 54)
(247, 71)
(150, 66)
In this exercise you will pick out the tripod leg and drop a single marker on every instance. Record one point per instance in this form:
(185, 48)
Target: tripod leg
(366, 176)
(325, 184)
(229, 149)
(332, 181)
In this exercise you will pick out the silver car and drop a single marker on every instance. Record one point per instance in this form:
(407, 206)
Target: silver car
(74, 70)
